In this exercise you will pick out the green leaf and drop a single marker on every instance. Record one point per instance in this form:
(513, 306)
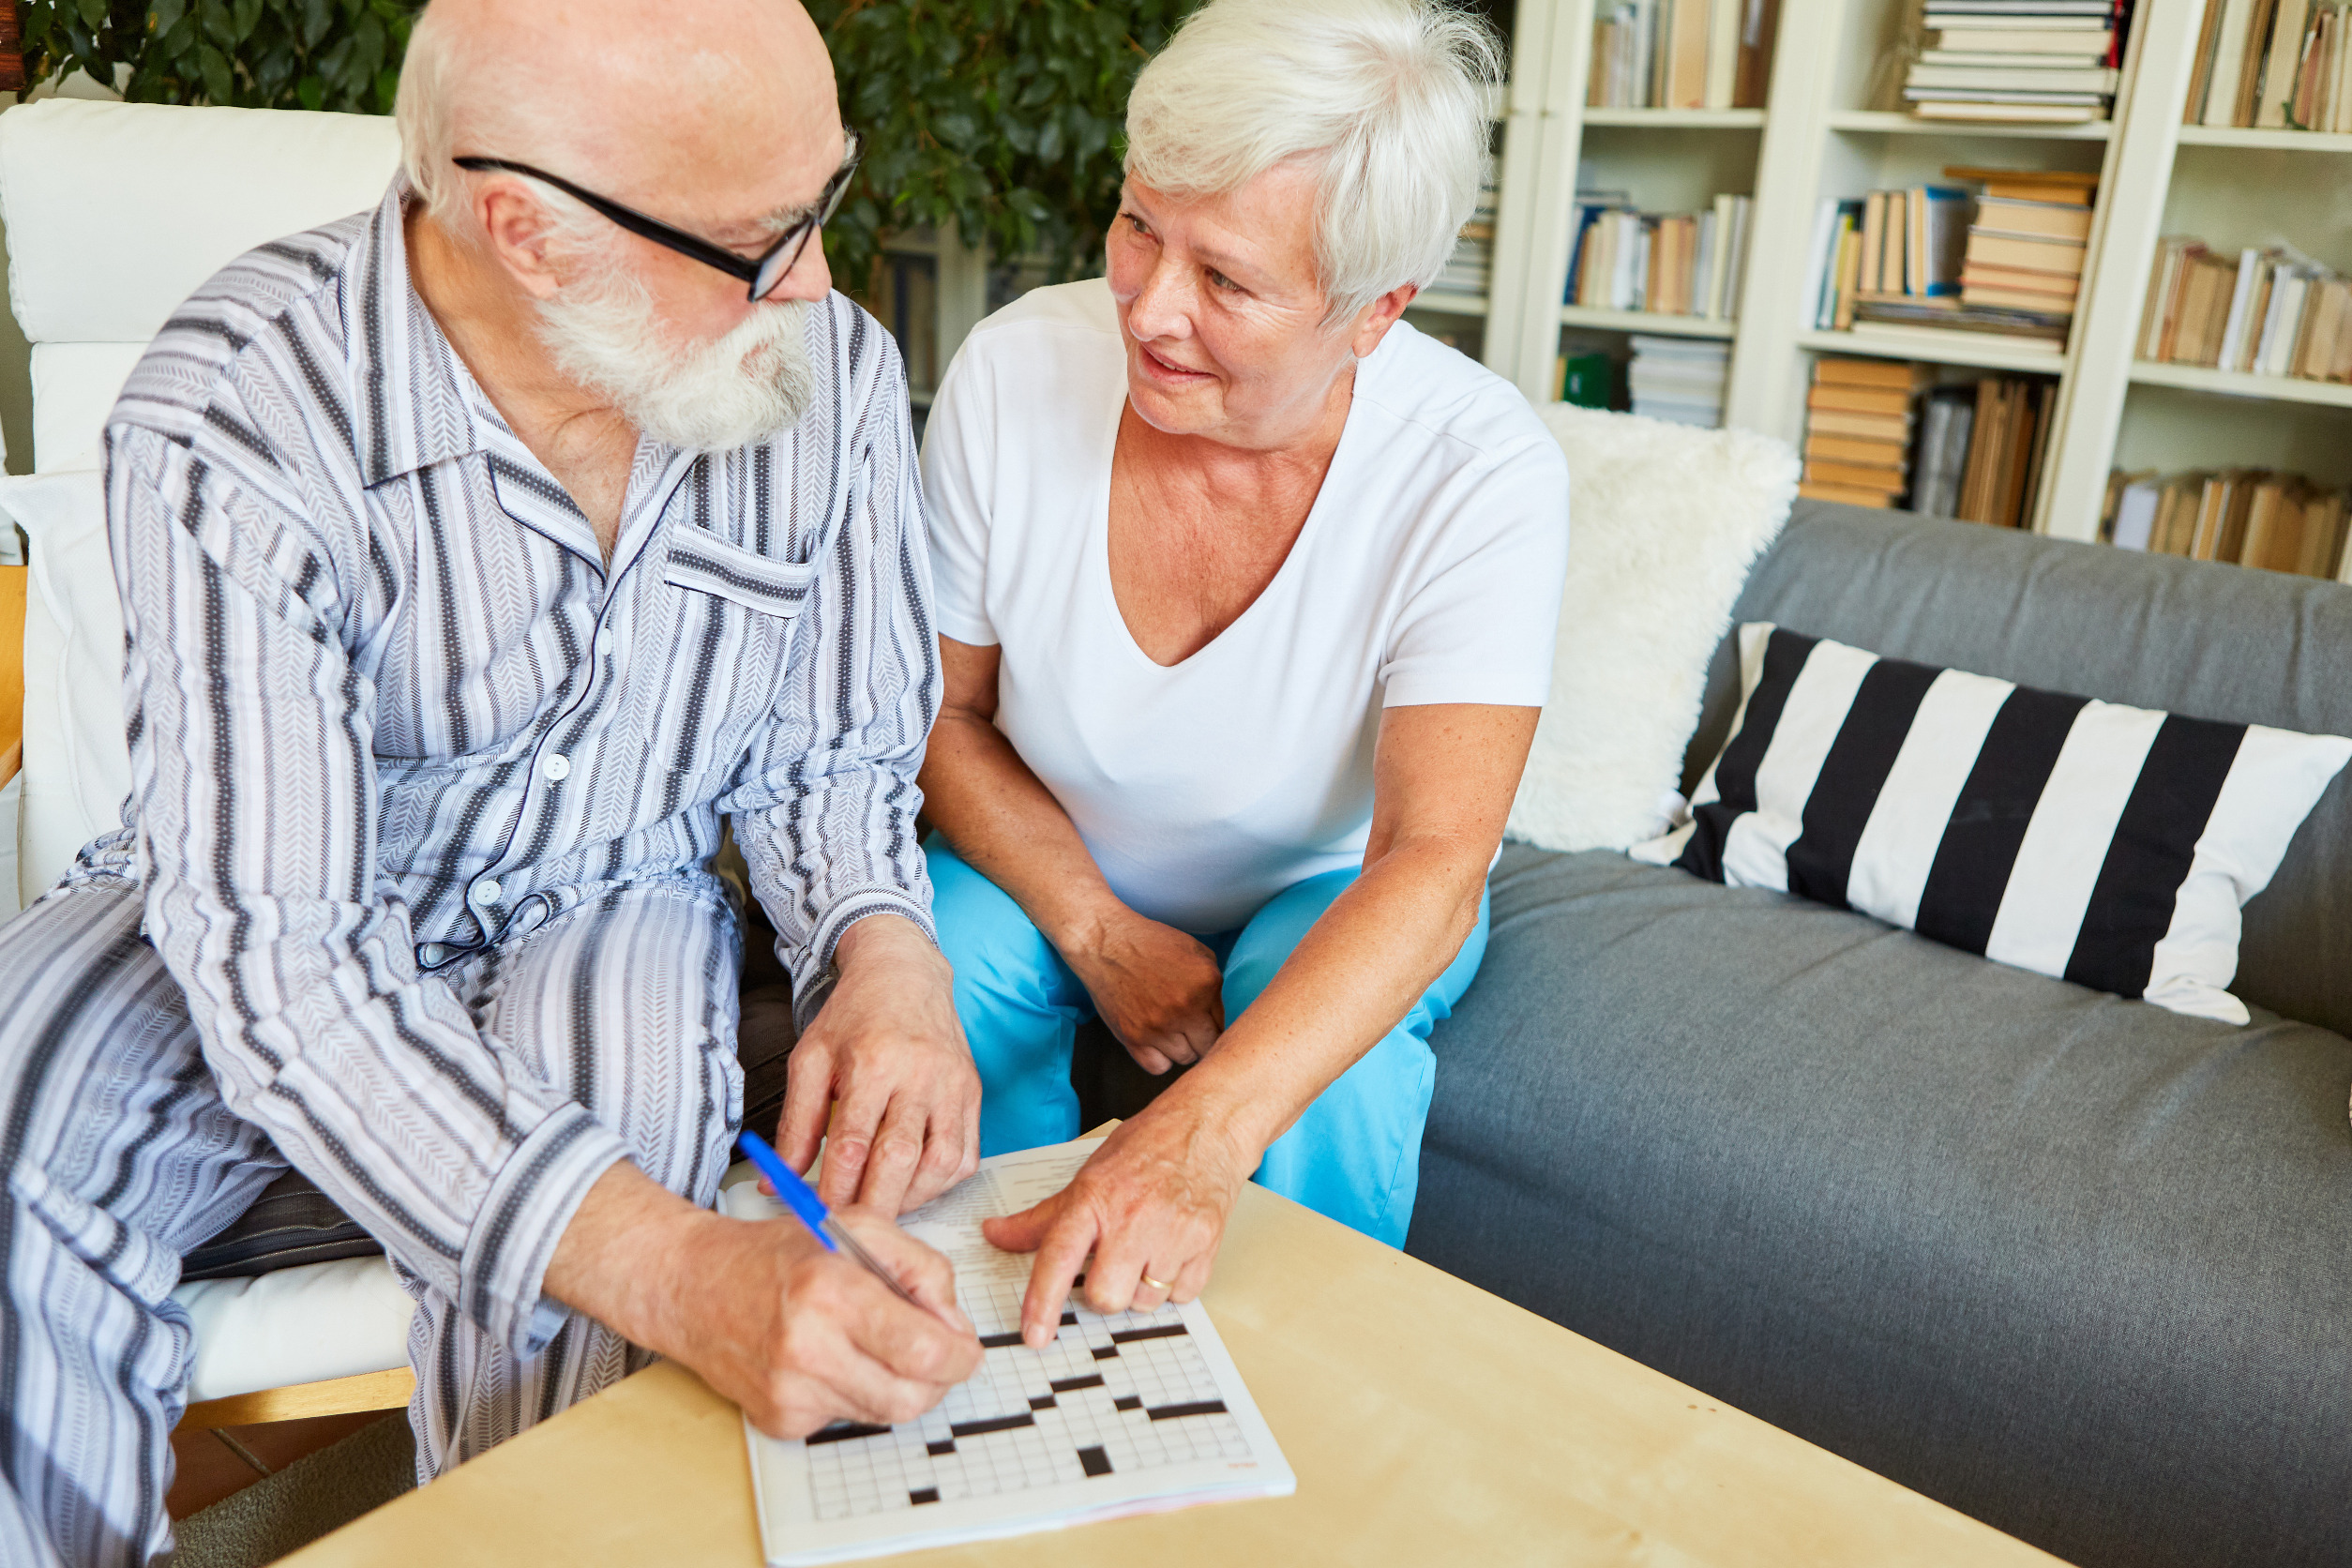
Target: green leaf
(242, 14)
(218, 81)
(165, 15)
(311, 93)
(94, 14)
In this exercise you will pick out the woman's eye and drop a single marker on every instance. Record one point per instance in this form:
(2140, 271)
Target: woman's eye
(1136, 222)
(1222, 281)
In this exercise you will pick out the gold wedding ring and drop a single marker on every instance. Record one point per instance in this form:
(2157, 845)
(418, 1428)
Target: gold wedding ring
(1158, 1284)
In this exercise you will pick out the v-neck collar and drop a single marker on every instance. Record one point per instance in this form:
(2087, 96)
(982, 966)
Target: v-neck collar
(1284, 574)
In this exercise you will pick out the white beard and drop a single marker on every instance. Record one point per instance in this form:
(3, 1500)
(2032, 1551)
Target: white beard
(710, 397)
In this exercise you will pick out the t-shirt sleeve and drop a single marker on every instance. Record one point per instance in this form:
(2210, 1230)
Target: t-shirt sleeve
(959, 448)
(1480, 625)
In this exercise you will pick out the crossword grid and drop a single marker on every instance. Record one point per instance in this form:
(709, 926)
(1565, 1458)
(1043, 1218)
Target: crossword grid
(1111, 1395)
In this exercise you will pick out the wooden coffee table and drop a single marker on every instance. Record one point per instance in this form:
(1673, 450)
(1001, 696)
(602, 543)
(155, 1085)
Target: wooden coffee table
(1428, 1421)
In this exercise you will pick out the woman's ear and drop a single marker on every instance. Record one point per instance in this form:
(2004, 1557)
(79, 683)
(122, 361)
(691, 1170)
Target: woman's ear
(1374, 320)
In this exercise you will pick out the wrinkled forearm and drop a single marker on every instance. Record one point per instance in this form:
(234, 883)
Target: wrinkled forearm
(1010, 828)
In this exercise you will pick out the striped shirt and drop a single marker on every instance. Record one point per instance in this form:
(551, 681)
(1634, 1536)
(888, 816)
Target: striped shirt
(389, 704)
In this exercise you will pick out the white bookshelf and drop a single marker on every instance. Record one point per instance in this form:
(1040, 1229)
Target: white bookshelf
(1829, 127)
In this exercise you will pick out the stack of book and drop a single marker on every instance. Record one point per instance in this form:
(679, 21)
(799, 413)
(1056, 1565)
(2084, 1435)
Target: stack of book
(1857, 430)
(1679, 53)
(2267, 313)
(2026, 253)
(1470, 267)
(2047, 61)
(2010, 262)
(1679, 379)
(1669, 264)
(2281, 522)
(1982, 449)
(2282, 64)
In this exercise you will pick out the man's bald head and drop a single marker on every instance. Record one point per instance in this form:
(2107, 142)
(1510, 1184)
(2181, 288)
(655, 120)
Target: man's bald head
(708, 113)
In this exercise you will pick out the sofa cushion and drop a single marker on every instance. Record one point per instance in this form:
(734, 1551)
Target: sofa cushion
(2154, 631)
(2075, 1265)
(2085, 840)
(185, 192)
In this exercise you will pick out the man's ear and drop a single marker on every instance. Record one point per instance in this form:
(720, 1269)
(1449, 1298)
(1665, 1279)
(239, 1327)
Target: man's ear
(520, 235)
(1374, 320)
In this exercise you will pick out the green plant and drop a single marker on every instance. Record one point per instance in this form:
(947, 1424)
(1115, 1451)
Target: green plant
(1000, 117)
(257, 53)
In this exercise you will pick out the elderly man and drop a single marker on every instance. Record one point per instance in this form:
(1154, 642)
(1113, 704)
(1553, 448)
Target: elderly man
(478, 554)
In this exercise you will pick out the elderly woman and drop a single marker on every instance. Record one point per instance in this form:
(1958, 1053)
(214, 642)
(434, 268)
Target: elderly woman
(1246, 595)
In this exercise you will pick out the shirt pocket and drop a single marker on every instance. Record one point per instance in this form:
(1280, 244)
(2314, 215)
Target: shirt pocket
(704, 563)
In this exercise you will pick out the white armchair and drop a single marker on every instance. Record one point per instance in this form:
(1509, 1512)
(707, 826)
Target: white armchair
(114, 214)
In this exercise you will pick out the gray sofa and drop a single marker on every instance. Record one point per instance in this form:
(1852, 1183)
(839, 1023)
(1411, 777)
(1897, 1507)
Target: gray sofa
(2075, 1265)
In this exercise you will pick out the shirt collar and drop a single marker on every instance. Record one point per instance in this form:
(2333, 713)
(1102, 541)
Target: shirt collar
(411, 406)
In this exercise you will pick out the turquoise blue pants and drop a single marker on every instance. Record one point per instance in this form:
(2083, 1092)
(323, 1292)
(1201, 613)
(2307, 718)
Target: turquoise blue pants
(1354, 1156)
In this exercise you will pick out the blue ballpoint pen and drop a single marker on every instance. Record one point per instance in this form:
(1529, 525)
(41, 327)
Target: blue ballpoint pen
(799, 1196)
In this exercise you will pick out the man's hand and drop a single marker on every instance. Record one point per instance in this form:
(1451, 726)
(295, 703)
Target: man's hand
(1155, 989)
(887, 1047)
(797, 1335)
(1150, 1205)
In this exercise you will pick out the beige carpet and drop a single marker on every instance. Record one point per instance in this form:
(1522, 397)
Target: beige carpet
(303, 1501)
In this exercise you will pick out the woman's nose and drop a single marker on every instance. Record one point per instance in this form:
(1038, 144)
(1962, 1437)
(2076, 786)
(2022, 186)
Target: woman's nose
(1163, 306)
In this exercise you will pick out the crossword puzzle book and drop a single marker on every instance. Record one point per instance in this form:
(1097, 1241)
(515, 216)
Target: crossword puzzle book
(1126, 1414)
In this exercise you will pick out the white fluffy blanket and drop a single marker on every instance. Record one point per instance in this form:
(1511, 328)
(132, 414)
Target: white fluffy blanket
(1664, 523)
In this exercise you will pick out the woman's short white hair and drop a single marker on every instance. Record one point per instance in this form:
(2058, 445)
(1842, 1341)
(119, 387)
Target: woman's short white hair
(1389, 94)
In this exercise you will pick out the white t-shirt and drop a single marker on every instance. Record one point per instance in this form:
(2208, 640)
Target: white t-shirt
(1429, 570)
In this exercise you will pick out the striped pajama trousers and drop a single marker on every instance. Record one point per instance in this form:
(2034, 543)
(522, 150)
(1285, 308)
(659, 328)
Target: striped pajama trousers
(120, 1155)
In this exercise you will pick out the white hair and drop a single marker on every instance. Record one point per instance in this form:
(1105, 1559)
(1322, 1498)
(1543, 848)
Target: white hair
(444, 97)
(1391, 96)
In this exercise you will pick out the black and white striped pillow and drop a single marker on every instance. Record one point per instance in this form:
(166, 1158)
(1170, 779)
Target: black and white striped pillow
(2106, 845)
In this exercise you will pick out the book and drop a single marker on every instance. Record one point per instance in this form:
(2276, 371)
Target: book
(2094, 80)
(1854, 449)
(2228, 46)
(2033, 219)
(2020, 113)
(2032, 185)
(2037, 255)
(1723, 53)
(2136, 513)
(1686, 55)
(2283, 56)
(1998, 37)
(1870, 427)
(1852, 496)
(1859, 400)
(1885, 374)
(2057, 287)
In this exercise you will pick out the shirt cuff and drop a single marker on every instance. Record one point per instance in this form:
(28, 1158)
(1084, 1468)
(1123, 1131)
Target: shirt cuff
(529, 1203)
(813, 974)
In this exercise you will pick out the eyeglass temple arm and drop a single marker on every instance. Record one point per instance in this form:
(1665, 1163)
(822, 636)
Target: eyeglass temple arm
(630, 218)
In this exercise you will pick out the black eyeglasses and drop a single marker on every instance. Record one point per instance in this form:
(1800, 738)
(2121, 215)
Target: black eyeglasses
(764, 275)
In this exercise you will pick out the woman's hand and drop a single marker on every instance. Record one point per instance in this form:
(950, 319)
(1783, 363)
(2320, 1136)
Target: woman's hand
(1156, 988)
(1151, 1205)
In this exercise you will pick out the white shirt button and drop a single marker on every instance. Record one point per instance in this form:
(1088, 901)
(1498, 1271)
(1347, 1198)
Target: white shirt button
(557, 766)
(430, 953)
(486, 891)
(604, 641)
